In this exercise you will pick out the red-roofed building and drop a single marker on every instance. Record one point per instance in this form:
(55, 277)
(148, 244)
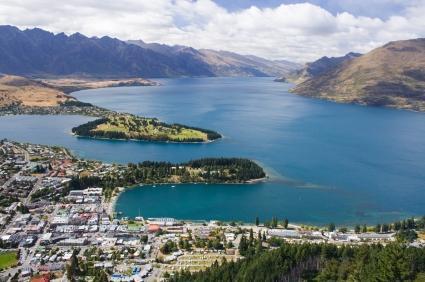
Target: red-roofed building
(153, 228)
(43, 278)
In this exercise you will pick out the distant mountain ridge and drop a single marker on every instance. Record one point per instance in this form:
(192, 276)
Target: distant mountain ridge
(392, 75)
(36, 52)
(224, 63)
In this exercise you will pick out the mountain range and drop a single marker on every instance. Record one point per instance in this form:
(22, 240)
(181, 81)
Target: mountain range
(392, 75)
(223, 63)
(36, 52)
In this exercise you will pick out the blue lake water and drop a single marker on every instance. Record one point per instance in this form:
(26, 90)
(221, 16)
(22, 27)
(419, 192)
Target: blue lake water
(329, 162)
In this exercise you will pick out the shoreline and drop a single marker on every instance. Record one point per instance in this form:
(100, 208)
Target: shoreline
(144, 140)
(110, 206)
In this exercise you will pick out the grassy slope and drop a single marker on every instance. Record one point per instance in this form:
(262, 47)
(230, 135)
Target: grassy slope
(147, 129)
(16, 89)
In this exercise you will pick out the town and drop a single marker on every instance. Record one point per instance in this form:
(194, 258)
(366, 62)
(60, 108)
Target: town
(51, 231)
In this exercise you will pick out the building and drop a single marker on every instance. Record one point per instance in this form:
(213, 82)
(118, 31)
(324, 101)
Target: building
(153, 228)
(284, 233)
(163, 221)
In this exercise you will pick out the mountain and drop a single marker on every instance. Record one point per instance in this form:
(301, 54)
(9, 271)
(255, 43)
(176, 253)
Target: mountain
(223, 63)
(317, 68)
(392, 75)
(36, 52)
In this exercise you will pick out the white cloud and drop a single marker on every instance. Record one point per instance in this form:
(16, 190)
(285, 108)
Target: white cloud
(299, 32)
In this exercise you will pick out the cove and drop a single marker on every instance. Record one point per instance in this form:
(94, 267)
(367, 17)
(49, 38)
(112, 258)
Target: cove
(328, 162)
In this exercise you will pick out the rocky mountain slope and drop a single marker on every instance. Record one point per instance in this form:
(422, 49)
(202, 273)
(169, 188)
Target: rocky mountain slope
(323, 65)
(316, 68)
(392, 75)
(223, 63)
(37, 52)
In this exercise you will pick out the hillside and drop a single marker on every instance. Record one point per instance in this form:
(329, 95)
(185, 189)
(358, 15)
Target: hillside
(222, 63)
(69, 85)
(18, 90)
(27, 92)
(37, 52)
(321, 66)
(392, 75)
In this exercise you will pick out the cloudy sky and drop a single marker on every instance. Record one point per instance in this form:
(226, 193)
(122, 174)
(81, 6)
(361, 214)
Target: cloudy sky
(276, 29)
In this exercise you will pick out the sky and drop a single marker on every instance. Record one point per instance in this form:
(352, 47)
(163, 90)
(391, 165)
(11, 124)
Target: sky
(292, 30)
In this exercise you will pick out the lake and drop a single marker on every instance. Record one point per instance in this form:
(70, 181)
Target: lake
(328, 162)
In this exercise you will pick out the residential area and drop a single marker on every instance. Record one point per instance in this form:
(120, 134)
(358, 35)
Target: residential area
(52, 232)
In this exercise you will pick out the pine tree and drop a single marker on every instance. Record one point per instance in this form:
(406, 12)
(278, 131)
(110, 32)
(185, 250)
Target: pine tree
(285, 223)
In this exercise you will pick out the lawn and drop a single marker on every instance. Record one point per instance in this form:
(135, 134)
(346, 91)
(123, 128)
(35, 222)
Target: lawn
(134, 226)
(8, 259)
(134, 128)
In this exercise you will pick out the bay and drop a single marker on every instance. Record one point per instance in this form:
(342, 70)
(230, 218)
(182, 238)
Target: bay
(328, 162)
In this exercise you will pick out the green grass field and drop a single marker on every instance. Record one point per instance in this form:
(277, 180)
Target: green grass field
(8, 259)
(135, 127)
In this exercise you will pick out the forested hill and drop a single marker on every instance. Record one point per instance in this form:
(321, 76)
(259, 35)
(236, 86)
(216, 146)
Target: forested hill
(319, 262)
(127, 126)
(38, 52)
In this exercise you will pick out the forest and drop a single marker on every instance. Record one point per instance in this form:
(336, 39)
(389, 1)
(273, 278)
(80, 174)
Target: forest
(208, 170)
(317, 262)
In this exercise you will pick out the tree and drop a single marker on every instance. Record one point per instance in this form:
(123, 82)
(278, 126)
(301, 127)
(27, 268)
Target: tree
(364, 228)
(357, 229)
(385, 228)
(243, 246)
(73, 268)
(406, 236)
(144, 239)
(331, 227)
(101, 276)
(397, 225)
(285, 223)
(274, 222)
(257, 221)
(343, 230)
(251, 236)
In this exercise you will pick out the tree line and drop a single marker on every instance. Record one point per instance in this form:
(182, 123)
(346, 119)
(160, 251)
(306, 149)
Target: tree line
(318, 262)
(209, 170)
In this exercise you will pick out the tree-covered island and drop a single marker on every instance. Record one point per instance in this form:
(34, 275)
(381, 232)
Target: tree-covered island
(128, 126)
